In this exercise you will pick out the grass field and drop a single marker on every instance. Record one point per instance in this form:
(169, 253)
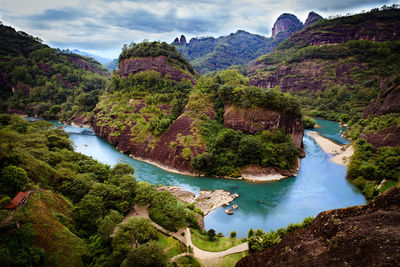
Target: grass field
(219, 244)
(171, 246)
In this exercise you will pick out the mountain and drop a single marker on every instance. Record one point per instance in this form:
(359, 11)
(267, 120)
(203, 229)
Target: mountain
(346, 69)
(208, 54)
(100, 59)
(357, 236)
(212, 54)
(286, 25)
(159, 110)
(312, 18)
(41, 81)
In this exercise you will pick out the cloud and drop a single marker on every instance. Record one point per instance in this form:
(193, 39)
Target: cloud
(105, 25)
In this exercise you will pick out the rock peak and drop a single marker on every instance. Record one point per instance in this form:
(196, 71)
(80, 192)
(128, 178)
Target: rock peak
(286, 25)
(312, 18)
(183, 40)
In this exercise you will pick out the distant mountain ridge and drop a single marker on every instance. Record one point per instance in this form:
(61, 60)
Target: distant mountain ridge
(208, 54)
(100, 59)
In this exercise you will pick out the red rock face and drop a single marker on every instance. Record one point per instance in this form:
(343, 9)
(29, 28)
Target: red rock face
(307, 75)
(259, 119)
(312, 18)
(387, 102)
(161, 153)
(386, 137)
(159, 64)
(85, 65)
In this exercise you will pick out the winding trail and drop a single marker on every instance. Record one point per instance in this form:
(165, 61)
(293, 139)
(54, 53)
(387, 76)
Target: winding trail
(203, 255)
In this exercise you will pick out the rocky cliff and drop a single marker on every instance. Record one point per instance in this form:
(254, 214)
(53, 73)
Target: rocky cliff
(312, 18)
(286, 25)
(165, 151)
(86, 65)
(254, 120)
(159, 64)
(387, 102)
(366, 235)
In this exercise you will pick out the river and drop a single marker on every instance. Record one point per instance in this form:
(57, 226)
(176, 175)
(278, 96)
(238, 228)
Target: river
(320, 185)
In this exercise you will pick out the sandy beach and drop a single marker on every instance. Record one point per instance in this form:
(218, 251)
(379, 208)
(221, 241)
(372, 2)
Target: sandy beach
(342, 152)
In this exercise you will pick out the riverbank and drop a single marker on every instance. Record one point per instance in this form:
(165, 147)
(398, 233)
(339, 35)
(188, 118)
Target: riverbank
(255, 177)
(342, 153)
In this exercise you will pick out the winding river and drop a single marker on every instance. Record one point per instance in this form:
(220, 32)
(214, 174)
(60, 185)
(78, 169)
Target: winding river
(320, 185)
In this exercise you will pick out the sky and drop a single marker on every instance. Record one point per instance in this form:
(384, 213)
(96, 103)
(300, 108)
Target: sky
(102, 27)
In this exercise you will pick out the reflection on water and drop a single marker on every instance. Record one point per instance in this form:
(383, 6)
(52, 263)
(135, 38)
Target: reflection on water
(320, 185)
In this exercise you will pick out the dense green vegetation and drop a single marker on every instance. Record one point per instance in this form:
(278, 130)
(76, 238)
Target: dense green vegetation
(41, 81)
(374, 172)
(209, 54)
(258, 240)
(229, 150)
(161, 101)
(78, 200)
(156, 49)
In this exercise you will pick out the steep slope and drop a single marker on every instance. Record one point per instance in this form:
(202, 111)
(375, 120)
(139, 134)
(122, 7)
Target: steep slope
(312, 18)
(40, 81)
(357, 236)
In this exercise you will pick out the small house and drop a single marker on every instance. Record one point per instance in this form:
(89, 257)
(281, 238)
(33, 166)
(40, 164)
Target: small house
(19, 200)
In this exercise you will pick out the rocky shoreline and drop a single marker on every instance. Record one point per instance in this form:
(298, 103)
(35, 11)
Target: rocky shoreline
(205, 200)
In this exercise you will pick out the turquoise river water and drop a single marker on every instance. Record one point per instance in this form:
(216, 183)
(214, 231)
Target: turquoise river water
(320, 185)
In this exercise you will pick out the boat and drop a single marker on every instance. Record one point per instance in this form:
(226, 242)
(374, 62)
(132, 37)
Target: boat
(85, 144)
(234, 206)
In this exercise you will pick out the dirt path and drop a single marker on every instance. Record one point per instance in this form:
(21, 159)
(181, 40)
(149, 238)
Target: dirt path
(204, 256)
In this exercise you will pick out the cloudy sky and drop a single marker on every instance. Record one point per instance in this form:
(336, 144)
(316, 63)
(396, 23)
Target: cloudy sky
(103, 26)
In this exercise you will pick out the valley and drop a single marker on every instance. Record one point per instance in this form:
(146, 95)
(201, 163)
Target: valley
(241, 149)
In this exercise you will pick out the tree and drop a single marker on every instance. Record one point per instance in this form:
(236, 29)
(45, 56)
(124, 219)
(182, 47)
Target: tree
(211, 234)
(12, 180)
(86, 213)
(135, 232)
(122, 169)
(150, 254)
(233, 234)
(107, 224)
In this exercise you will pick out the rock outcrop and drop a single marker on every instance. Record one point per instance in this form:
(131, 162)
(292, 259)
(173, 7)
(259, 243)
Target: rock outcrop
(158, 152)
(386, 137)
(206, 200)
(286, 25)
(254, 120)
(387, 102)
(183, 40)
(366, 235)
(85, 65)
(159, 64)
(312, 18)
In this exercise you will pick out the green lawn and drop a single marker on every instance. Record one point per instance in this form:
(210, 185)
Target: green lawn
(219, 244)
(171, 246)
(231, 260)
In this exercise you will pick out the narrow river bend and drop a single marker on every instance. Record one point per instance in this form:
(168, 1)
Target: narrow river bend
(320, 185)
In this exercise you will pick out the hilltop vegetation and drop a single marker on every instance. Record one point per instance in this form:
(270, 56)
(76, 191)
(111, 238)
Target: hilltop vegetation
(156, 49)
(38, 80)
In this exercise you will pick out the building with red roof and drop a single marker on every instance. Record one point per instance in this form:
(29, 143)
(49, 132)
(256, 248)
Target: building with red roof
(19, 200)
